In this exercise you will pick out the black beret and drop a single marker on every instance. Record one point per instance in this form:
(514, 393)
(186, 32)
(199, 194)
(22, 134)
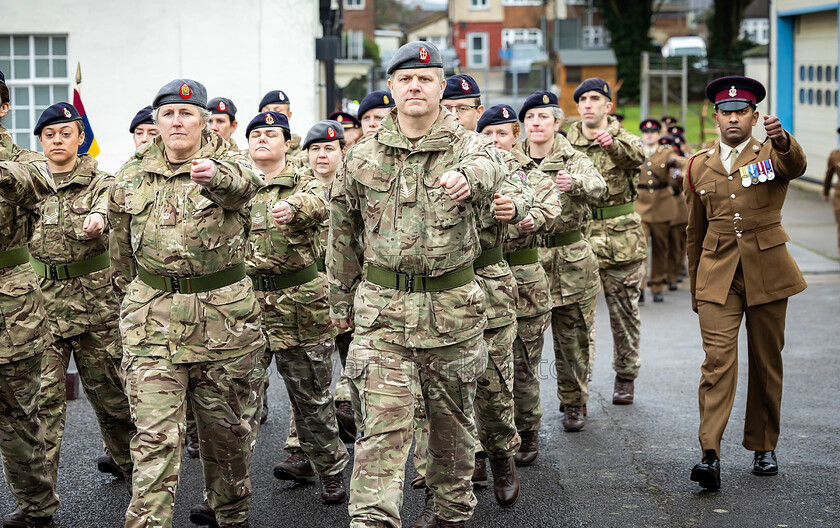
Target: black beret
(735, 93)
(668, 120)
(346, 120)
(539, 99)
(2, 77)
(415, 55)
(143, 117)
(186, 91)
(377, 99)
(274, 97)
(496, 115)
(838, 130)
(650, 124)
(461, 87)
(593, 84)
(323, 132)
(222, 105)
(56, 114)
(267, 119)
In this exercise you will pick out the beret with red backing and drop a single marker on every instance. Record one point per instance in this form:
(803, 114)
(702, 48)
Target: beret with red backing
(650, 125)
(323, 132)
(222, 105)
(461, 87)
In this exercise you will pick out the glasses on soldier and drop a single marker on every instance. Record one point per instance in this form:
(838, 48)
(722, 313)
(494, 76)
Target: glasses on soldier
(460, 109)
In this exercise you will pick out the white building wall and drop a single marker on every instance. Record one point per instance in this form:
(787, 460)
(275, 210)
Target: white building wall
(128, 50)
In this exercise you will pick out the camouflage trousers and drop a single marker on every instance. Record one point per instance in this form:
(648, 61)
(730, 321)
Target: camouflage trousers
(226, 396)
(573, 330)
(527, 355)
(658, 233)
(388, 379)
(21, 439)
(622, 287)
(342, 389)
(102, 380)
(307, 373)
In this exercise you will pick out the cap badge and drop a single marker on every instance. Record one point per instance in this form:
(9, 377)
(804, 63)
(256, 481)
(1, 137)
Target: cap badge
(733, 92)
(185, 91)
(330, 132)
(269, 119)
(339, 118)
(222, 106)
(505, 113)
(67, 113)
(281, 95)
(465, 86)
(424, 55)
(385, 99)
(545, 99)
(606, 87)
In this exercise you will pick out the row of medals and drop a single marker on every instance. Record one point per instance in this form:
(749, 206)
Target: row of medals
(758, 172)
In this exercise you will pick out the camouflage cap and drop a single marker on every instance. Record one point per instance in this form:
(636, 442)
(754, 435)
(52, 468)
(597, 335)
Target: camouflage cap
(185, 91)
(57, 114)
(417, 54)
(222, 105)
(323, 132)
(143, 117)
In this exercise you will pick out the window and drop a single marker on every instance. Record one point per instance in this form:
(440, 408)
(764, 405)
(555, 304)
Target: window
(828, 70)
(819, 73)
(477, 56)
(810, 73)
(828, 97)
(354, 4)
(836, 98)
(810, 96)
(439, 42)
(521, 36)
(802, 95)
(595, 37)
(479, 4)
(802, 73)
(37, 76)
(819, 97)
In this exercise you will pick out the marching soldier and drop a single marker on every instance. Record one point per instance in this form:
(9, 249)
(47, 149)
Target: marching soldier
(676, 231)
(222, 119)
(740, 267)
(352, 127)
(69, 252)
(656, 205)
(572, 272)
(373, 109)
(143, 128)
(833, 167)
(406, 199)
(615, 230)
(278, 101)
(24, 181)
(190, 322)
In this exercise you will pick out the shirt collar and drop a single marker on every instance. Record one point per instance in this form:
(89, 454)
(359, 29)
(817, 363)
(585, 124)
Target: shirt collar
(725, 149)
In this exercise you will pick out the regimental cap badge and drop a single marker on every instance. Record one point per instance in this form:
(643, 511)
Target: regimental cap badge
(424, 55)
(339, 118)
(281, 95)
(185, 91)
(269, 119)
(606, 88)
(222, 106)
(330, 132)
(67, 113)
(505, 113)
(385, 99)
(465, 86)
(545, 99)
(733, 92)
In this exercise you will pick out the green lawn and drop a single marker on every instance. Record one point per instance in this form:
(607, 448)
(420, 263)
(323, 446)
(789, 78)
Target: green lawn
(692, 129)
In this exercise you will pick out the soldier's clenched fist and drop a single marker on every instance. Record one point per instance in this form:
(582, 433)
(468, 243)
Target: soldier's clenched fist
(456, 185)
(202, 171)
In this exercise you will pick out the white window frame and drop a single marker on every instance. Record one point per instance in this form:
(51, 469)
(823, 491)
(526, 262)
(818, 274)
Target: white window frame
(23, 135)
(354, 4)
(512, 3)
(594, 37)
(512, 36)
(485, 62)
(479, 4)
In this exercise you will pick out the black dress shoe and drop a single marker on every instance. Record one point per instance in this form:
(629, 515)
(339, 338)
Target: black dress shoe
(673, 287)
(707, 472)
(765, 464)
(657, 297)
(642, 297)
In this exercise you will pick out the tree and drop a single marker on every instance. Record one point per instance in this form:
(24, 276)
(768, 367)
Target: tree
(391, 12)
(724, 30)
(628, 24)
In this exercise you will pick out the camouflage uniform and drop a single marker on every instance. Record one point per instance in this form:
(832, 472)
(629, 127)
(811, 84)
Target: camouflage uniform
(618, 242)
(298, 157)
(387, 202)
(204, 346)
(296, 315)
(83, 312)
(24, 181)
(572, 272)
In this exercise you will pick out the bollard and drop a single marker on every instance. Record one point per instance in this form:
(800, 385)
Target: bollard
(72, 384)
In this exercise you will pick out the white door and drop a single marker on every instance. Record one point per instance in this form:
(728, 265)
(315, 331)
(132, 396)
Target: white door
(477, 52)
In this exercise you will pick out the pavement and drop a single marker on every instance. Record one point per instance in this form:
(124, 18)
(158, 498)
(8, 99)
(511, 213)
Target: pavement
(628, 468)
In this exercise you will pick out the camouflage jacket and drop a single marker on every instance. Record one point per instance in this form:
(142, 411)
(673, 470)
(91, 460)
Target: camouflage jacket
(387, 206)
(619, 240)
(298, 157)
(299, 315)
(24, 181)
(572, 269)
(170, 226)
(75, 304)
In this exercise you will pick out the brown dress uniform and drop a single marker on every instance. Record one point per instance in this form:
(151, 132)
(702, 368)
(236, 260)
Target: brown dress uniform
(833, 167)
(739, 265)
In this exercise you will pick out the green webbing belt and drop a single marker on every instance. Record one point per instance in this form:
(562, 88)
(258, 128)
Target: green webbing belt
(603, 213)
(322, 266)
(523, 256)
(13, 257)
(71, 270)
(419, 283)
(488, 256)
(563, 239)
(285, 280)
(201, 283)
